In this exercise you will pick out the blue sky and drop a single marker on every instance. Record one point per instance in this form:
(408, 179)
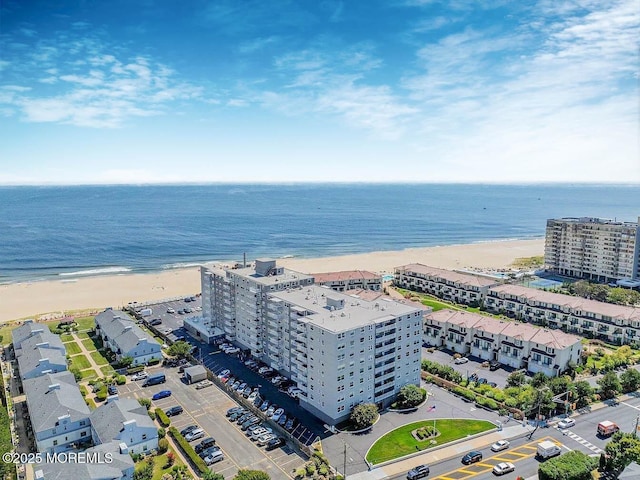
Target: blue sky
(284, 91)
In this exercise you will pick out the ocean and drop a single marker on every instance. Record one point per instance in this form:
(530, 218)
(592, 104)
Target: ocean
(70, 231)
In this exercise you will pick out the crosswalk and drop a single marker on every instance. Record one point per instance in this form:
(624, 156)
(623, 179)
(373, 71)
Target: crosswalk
(583, 442)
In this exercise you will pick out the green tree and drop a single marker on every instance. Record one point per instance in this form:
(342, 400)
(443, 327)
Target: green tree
(251, 475)
(179, 349)
(573, 465)
(539, 380)
(516, 379)
(622, 449)
(599, 292)
(211, 475)
(76, 374)
(125, 362)
(583, 393)
(363, 415)
(630, 380)
(609, 386)
(560, 385)
(410, 395)
(144, 473)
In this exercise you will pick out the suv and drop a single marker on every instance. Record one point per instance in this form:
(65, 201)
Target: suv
(204, 444)
(494, 366)
(177, 410)
(472, 457)
(420, 471)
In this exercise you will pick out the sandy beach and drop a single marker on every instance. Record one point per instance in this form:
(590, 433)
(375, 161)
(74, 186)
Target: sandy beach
(55, 297)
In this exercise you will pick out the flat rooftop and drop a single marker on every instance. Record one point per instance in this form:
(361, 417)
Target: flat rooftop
(347, 313)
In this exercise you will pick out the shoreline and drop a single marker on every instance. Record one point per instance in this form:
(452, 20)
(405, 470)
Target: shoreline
(64, 293)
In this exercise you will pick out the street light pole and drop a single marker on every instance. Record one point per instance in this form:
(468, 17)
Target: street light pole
(344, 462)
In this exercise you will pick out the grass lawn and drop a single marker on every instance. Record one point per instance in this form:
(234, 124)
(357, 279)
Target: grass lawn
(160, 464)
(66, 337)
(72, 348)
(107, 371)
(400, 442)
(86, 323)
(5, 333)
(88, 344)
(88, 374)
(436, 304)
(82, 335)
(99, 359)
(80, 362)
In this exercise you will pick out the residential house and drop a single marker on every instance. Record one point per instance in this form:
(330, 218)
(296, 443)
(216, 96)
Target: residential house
(120, 333)
(349, 280)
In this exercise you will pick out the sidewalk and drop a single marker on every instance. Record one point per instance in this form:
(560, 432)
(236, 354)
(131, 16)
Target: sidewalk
(438, 455)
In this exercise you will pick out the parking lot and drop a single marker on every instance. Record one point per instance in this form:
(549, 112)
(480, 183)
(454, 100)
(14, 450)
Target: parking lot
(207, 409)
(171, 322)
(473, 366)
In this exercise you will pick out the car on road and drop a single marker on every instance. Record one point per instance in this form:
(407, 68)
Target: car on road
(176, 410)
(140, 376)
(188, 429)
(161, 394)
(566, 423)
(499, 446)
(204, 444)
(275, 443)
(461, 360)
(421, 471)
(194, 435)
(504, 467)
(472, 457)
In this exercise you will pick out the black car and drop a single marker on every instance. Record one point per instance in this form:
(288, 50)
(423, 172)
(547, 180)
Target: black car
(177, 410)
(233, 410)
(235, 415)
(208, 451)
(472, 457)
(155, 322)
(275, 443)
(420, 471)
(187, 430)
(204, 444)
(481, 381)
(112, 390)
(494, 366)
(250, 421)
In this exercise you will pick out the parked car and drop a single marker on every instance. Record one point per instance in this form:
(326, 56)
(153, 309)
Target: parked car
(247, 391)
(270, 411)
(249, 422)
(232, 351)
(204, 444)
(140, 376)
(461, 360)
(421, 471)
(494, 366)
(500, 445)
(155, 322)
(252, 396)
(290, 425)
(234, 410)
(275, 443)
(240, 388)
(264, 438)
(250, 363)
(176, 410)
(171, 310)
(283, 420)
(472, 457)
(504, 467)
(253, 428)
(203, 384)
(264, 406)
(277, 414)
(244, 417)
(263, 370)
(258, 401)
(234, 385)
(224, 372)
(194, 435)
(234, 416)
(208, 451)
(566, 423)
(215, 457)
(260, 430)
(187, 299)
(481, 381)
(112, 390)
(161, 394)
(187, 430)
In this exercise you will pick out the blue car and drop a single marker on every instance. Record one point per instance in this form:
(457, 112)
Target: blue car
(161, 394)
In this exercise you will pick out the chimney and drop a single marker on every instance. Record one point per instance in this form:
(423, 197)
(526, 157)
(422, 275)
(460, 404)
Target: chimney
(42, 345)
(54, 386)
(123, 448)
(128, 327)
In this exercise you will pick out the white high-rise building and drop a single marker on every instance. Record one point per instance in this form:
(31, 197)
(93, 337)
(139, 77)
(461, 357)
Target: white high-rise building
(342, 350)
(593, 248)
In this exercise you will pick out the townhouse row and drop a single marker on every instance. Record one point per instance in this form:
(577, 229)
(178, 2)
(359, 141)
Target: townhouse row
(60, 419)
(612, 323)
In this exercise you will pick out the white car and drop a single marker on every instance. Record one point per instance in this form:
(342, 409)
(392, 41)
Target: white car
(504, 467)
(194, 435)
(566, 423)
(215, 457)
(203, 384)
(263, 439)
(500, 445)
(461, 360)
(232, 351)
(140, 376)
(277, 414)
(224, 373)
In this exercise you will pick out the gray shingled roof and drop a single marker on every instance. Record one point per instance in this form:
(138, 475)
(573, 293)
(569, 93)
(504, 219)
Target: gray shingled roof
(25, 330)
(114, 324)
(45, 407)
(107, 420)
(89, 471)
(45, 337)
(31, 355)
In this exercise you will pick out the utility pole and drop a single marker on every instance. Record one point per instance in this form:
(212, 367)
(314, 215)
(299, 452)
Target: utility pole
(344, 462)
(635, 431)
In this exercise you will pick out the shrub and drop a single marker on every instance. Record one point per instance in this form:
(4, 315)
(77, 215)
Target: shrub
(363, 415)
(162, 417)
(102, 393)
(162, 432)
(153, 361)
(137, 369)
(410, 395)
(487, 403)
(188, 450)
(573, 465)
(145, 402)
(163, 445)
(121, 379)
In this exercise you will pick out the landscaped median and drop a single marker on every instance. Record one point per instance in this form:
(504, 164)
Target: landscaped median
(410, 438)
(189, 451)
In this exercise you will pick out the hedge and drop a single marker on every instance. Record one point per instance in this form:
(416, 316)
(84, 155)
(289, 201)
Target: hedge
(463, 392)
(189, 451)
(137, 369)
(487, 402)
(162, 417)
